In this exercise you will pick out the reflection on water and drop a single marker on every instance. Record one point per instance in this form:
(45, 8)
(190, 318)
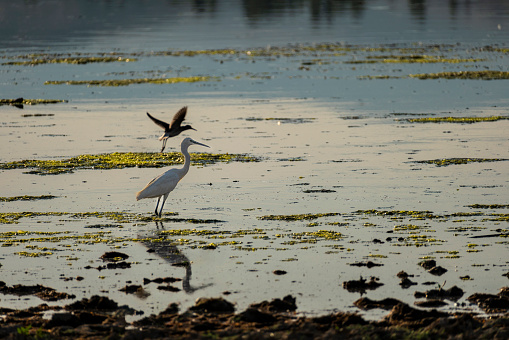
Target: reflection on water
(216, 24)
(167, 250)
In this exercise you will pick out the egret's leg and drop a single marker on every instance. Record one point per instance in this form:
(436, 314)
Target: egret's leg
(157, 204)
(162, 204)
(164, 144)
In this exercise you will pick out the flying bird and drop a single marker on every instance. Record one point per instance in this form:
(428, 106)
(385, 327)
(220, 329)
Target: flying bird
(162, 185)
(174, 128)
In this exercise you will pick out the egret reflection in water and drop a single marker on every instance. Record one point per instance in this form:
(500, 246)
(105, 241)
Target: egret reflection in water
(166, 249)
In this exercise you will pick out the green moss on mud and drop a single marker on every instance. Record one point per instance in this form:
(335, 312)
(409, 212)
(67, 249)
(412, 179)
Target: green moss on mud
(489, 206)
(42, 59)
(120, 160)
(299, 217)
(26, 198)
(126, 82)
(23, 101)
(421, 59)
(468, 120)
(456, 161)
(475, 75)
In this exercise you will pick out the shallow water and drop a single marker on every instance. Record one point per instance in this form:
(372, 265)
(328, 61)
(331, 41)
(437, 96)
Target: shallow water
(315, 122)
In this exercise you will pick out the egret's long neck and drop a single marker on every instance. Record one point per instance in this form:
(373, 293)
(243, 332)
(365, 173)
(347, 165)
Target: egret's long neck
(187, 161)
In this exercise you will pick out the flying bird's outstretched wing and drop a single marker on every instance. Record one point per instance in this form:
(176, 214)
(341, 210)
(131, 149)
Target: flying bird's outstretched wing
(162, 124)
(179, 117)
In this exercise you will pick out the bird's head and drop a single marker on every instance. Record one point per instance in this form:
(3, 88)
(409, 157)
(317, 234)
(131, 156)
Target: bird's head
(188, 127)
(188, 142)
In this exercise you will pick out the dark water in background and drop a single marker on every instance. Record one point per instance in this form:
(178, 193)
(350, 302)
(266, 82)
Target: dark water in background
(145, 25)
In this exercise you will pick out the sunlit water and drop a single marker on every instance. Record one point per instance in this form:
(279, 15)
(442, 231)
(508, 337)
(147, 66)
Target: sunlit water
(315, 125)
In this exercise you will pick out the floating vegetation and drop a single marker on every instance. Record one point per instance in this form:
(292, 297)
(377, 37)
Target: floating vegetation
(467, 120)
(405, 213)
(126, 82)
(298, 217)
(476, 75)
(118, 217)
(119, 160)
(26, 198)
(489, 206)
(283, 120)
(70, 60)
(456, 161)
(19, 102)
(395, 59)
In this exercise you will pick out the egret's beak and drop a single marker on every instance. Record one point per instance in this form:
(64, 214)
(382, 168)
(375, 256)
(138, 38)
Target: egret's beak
(197, 143)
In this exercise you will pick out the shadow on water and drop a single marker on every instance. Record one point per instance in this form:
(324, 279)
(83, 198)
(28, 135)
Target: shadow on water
(166, 249)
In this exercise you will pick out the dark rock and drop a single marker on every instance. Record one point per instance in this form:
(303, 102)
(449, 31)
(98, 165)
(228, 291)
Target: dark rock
(367, 304)
(428, 264)
(63, 319)
(491, 303)
(403, 312)
(362, 285)
(95, 302)
(368, 264)
(438, 270)
(406, 283)
(453, 293)
(118, 265)
(255, 315)
(433, 303)
(279, 272)
(42, 292)
(160, 280)
(287, 304)
(131, 289)
(114, 256)
(402, 275)
(169, 288)
(213, 305)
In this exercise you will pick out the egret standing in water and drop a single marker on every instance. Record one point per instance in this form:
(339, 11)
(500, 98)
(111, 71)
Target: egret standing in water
(173, 129)
(162, 185)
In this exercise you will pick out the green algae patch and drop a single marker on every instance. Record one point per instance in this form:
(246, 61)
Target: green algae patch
(401, 213)
(26, 198)
(489, 206)
(421, 59)
(457, 161)
(475, 75)
(463, 120)
(119, 160)
(69, 60)
(126, 82)
(298, 217)
(118, 217)
(19, 102)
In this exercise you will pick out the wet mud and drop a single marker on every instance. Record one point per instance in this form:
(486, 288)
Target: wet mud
(100, 318)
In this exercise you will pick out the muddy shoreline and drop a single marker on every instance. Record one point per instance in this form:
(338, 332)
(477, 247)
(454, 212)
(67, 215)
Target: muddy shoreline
(99, 317)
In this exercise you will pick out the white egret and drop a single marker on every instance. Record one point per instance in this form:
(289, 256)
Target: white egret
(162, 185)
(174, 128)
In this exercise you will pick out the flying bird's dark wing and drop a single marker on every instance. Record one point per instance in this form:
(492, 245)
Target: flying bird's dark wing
(179, 117)
(162, 124)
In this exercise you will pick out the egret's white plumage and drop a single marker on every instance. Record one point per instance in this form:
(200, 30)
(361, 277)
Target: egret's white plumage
(162, 185)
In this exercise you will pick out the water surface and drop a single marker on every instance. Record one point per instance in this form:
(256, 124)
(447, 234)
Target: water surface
(331, 140)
